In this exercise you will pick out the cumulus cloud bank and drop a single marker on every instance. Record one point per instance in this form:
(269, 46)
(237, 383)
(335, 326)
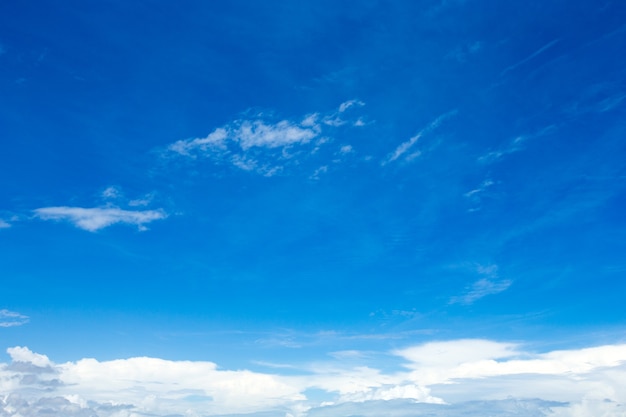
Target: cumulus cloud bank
(439, 379)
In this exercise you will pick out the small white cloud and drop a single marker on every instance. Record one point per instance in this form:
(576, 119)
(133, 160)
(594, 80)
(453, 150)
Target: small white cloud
(262, 145)
(284, 133)
(318, 172)
(401, 149)
(111, 193)
(334, 121)
(4, 224)
(346, 149)
(93, 219)
(23, 354)
(187, 147)
(350, 103)
(310, 120)
(481, 189)
(143, 201)
(12, 319)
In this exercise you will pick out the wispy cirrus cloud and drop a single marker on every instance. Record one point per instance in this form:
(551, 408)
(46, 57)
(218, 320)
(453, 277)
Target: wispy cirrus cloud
(350, 103)
(405, 147)
(96, 218)
(530, 57)
(263, 145)
(515, 145)
(12, 319)
(489, 284)
(4, 224)
(476, 195)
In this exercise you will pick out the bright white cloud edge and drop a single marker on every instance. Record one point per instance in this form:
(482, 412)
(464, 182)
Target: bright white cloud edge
(578, 382)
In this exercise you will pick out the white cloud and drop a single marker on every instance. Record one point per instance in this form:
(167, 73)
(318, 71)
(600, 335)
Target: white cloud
(402, 148)
(475, 377)
(247, 134)
(250, 144)
(350, 103)
(96, 218)
(481, 189)
(284, 133)
(215, 140)
(264, 146)
(111, 192)
(4, 224)
(318, 172)
(149, 385)
(346, 149)
(456, 352)
(405, 146)
(11, 318)
(143, 201)
(23, 354)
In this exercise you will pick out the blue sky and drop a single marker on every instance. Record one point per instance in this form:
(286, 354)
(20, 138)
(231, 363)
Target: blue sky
(312, 208)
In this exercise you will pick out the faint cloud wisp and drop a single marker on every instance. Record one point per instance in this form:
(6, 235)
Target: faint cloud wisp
(488, 285)
(12, 319)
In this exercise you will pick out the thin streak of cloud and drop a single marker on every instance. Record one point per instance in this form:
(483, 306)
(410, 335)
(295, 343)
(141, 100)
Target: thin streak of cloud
(515, 145)
(4, 224)
(96, 218)
(529, 57)
(405, 146)
(12, 319)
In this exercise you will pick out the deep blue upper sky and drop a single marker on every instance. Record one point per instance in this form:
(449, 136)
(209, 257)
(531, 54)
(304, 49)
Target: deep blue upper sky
(201, 180)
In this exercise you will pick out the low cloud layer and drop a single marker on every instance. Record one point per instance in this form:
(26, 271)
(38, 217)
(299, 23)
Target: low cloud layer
(439, 379)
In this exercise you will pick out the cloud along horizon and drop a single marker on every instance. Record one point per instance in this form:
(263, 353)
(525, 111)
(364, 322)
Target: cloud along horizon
(484, 376)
